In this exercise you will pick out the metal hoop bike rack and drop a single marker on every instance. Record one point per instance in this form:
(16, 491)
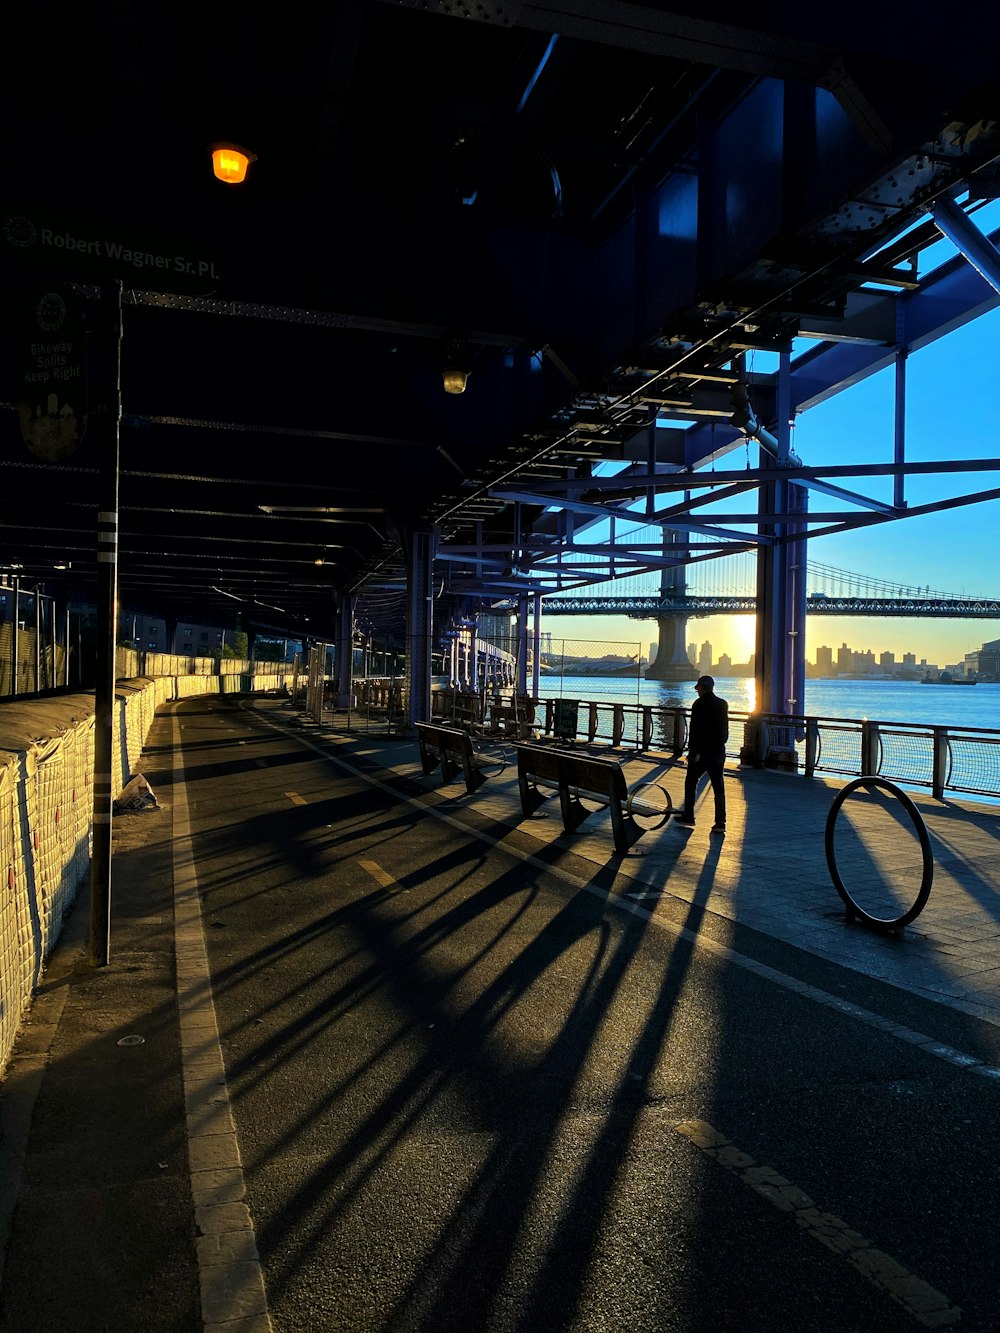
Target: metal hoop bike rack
(854, 908)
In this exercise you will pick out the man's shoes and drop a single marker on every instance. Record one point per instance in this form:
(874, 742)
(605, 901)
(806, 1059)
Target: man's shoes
(718, 828)
(686, 820)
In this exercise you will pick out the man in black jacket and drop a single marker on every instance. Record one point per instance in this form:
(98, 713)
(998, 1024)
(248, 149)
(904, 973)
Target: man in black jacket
(706, 751)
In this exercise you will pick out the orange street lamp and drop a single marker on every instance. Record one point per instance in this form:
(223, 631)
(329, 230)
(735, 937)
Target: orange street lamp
(230, 162)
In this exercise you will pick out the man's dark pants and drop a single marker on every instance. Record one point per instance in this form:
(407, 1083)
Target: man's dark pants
(713, 766)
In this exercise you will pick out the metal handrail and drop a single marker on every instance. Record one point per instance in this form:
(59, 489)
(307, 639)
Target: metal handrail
(941, 758)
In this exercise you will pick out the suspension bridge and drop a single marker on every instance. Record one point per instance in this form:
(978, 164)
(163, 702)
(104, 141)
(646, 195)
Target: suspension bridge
(728, 587)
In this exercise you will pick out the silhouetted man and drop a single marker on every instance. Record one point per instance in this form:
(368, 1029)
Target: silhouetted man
(706, 751)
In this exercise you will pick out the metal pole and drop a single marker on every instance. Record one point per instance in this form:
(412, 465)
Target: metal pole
(66, 651)
(110, 413)
(38, 641)
(15, 644)
(940, 763)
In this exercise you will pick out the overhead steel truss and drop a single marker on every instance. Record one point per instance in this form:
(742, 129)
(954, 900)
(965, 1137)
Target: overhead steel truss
(553, 562)
(554, 513)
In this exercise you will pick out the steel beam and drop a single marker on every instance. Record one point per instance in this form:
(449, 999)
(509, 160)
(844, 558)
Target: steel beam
(978, 249)
(950, 297)
(625, 515)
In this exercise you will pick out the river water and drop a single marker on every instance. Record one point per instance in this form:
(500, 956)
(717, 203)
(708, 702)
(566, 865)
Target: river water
(878, 700)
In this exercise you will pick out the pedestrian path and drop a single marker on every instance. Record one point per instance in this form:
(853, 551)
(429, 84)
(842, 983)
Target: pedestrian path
(123, 1151)
(770, 871)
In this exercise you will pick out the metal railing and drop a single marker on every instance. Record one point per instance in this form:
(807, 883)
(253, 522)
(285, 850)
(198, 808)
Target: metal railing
(940, 758)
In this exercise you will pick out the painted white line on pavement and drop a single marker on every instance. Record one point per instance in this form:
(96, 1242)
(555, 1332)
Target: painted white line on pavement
(722, 951)
(229, 1271)
(924, 1303)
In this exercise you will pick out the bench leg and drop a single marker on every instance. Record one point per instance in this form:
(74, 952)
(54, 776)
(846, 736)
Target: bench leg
(428, 760)
(531, 797)
(574, 812)
(624, 828)
(474, 779)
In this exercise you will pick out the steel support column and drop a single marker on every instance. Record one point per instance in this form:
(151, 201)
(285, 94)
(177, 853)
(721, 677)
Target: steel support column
(521, 678)
(419, 626)
(781, 583)
(536, 646)
(344, 651)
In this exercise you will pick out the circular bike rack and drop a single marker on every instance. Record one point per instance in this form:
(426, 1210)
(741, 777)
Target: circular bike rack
(854, 908)
(639, 807)
(491, 754)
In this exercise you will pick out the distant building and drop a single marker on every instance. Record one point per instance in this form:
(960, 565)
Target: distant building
(146, 632)
(824, 661)
(887, 661)
(197, 640)
(845, 659)
(985, 661)
(725, 665)
(705, 659)
(909, 660)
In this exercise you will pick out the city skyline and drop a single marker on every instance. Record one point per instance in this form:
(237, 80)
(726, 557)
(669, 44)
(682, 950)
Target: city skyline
(737, 640)
(828, 658)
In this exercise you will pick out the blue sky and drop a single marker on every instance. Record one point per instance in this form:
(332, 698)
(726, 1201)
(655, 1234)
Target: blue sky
(952, 413)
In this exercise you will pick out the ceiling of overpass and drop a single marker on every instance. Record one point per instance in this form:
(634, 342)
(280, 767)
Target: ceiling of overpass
(593, 209)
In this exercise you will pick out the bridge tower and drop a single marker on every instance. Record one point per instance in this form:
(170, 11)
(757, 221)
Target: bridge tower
(672, 661)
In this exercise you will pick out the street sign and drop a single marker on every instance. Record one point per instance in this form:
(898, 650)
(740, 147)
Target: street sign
(52, 402)
(93, 250)
(566, 721)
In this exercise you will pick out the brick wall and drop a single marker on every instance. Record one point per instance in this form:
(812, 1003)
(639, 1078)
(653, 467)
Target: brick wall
(46, 775)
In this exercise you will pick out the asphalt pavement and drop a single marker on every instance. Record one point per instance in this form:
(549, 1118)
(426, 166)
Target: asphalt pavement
(376, 1054)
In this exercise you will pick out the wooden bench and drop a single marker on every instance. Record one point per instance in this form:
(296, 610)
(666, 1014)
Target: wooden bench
(454, 708)
(455, 750)
(601, 779)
